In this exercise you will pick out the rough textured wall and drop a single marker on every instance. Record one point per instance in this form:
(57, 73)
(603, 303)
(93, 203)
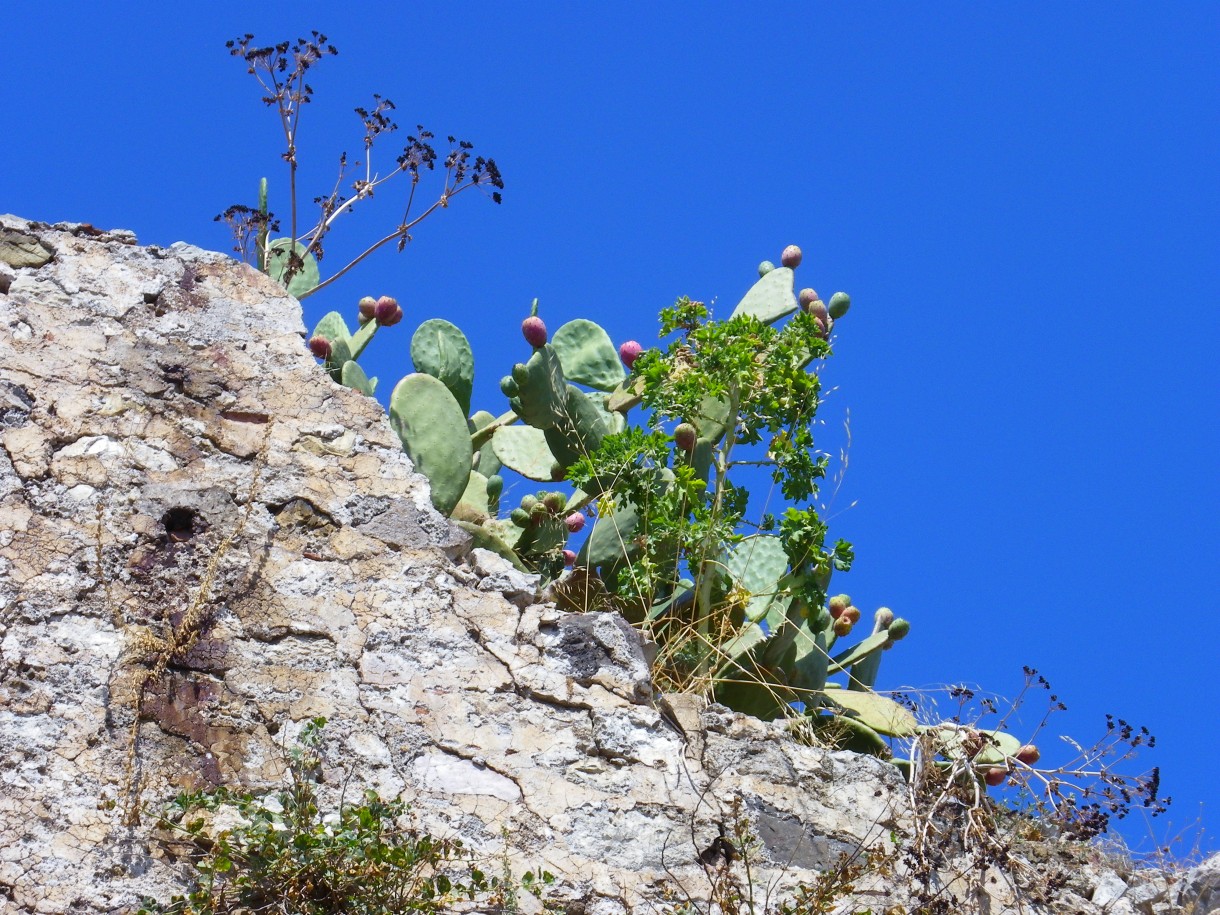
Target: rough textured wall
(204, 543)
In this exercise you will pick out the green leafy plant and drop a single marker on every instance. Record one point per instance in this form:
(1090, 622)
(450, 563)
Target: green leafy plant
(280, 852)
(292, 260)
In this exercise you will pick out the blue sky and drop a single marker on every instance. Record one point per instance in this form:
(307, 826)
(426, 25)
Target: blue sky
(1022, 200)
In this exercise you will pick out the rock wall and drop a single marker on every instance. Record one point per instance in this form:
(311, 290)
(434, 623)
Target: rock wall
(204, 543)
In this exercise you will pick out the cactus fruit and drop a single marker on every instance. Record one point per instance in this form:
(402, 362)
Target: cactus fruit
(995, 776)
(629, 351)
(898, 629)
(685, 437)
(519, 517)
(569, 558)
(534, 331)
(839, 303)
(509, 387)
(1028, 754)
(368, 309)
(818, 309)
(575, 522)
(495, 486)
(320, 347)
(554, 502)
(838, 604)
(852, 613)
(806, 297)
(387, 311)
(842, 626)
(791, 256)
(764, 268)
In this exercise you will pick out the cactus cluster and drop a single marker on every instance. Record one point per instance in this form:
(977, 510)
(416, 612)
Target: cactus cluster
(772, 649)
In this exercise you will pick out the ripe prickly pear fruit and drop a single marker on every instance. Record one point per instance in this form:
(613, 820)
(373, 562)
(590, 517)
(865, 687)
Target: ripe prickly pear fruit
(508, 385)
(534, 331)
(519, 517)
(575, 522)
(842, 626)
(818, 309)
(898, 629)
(368, 309)
(629, 351)
(1028, 754)
(320, 347)
(838, 604)
(994, 777)
(569, 558)
(791, 256)
(852, 613)
(387, 311)
(765, 267)
(554, 502)
(685, 437)
(839, 303)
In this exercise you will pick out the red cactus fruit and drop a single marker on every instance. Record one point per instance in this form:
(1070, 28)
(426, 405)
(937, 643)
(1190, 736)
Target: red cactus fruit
(842, 626)
(685, 437)
(320, 347)
(852, 613)
(818, 309)
(569, 558)
(368, 309)
(1028, 754)
(534, 331)
(387, 311)
(575, 522)
(838, 604)
(806, 297)
(791, 256)
(995, 776)
(629, 351)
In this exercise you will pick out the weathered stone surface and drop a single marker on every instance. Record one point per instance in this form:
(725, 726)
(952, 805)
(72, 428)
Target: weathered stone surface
(171, 456)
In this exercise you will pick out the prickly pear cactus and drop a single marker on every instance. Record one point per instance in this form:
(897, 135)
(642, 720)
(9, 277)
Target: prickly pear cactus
(432, 428)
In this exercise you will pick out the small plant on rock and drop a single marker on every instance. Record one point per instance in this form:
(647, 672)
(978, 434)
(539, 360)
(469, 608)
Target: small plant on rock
(279, 852)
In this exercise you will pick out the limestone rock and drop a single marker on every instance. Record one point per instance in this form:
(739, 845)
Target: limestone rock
(205, 543)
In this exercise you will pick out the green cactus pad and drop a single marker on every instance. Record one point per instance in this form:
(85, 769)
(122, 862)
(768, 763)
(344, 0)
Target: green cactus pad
(859, 652)
(487, 537)
(432, 429)
(332, 327)
(582, 431)
(487, 463)
(882, 714)
(525, 450)
(304, 280)
(587, 355)
(340, 355)
(473, 504)
(770, 299)
(612, 538)
(713, 418)
(955, 742)
(626, 395)
(757, 564)
(543, 394)
(352, 375)
(360, 339)
(439, 349)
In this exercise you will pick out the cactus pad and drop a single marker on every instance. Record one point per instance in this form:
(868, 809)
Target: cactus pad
(432, 429)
